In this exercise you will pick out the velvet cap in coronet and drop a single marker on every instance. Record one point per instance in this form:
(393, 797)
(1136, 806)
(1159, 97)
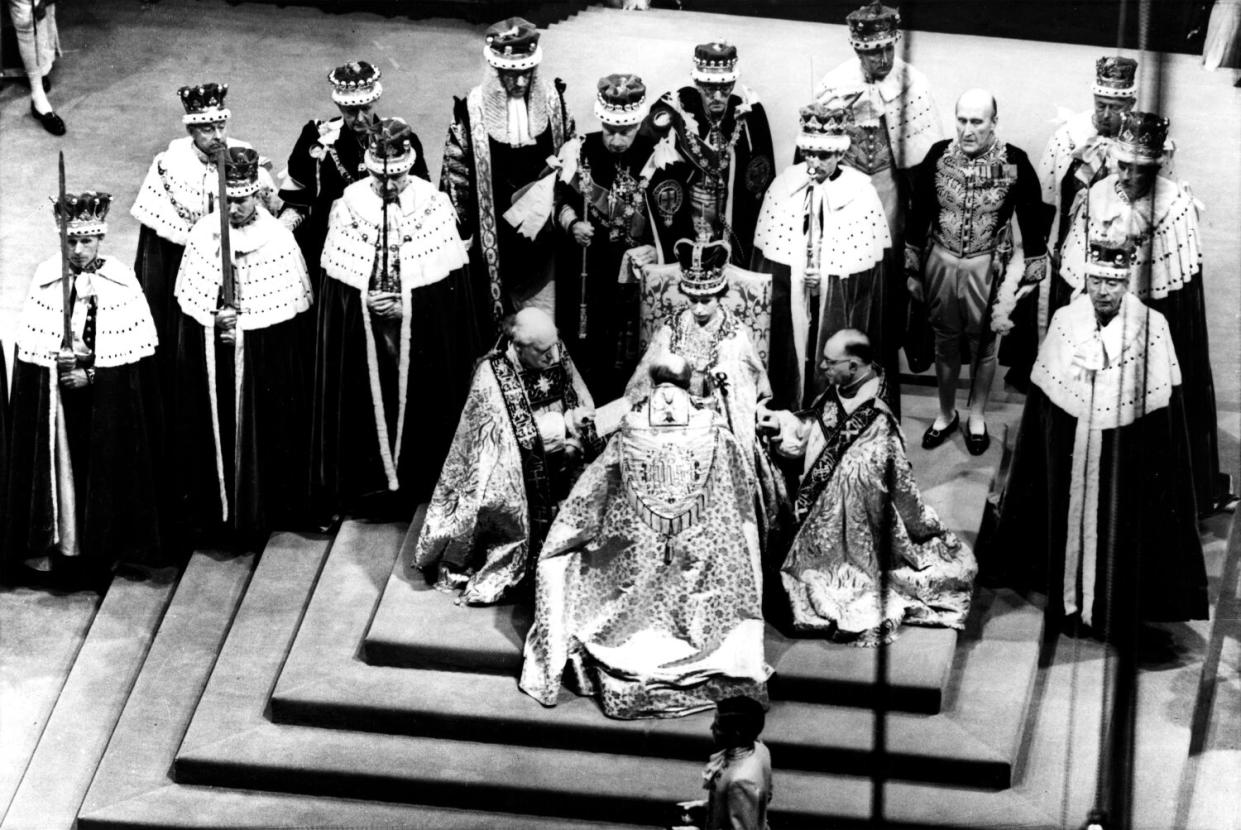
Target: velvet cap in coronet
(1141, 138)
(355, 84)
(715, 63)
(621, 100)
(241, 172)
(513, 44)
(873, 26)
(1110, 259)
(1115, 77)
(84, 214)
(389, 147)
(204, 104)
(824, 127)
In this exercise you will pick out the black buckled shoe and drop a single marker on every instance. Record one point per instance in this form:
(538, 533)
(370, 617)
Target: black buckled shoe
(933, 437)
(49, 120)
(977, 444)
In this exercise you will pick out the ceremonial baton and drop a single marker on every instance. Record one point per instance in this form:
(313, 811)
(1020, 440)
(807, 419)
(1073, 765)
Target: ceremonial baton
(581, 307)
(66, 277)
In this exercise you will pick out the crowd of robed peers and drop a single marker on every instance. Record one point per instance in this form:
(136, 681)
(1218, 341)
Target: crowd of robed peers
(640, 374)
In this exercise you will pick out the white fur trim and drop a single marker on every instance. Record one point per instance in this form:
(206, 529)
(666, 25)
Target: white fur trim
(518, 63)
(206, 116)
(614, 117)
(358, 97)
(823, 143)
(124, 331)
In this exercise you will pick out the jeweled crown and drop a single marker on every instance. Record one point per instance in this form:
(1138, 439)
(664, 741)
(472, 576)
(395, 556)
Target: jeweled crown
(355, 84)
(873, 26)
(204, 104)
(715, 63)
(513, 44)
(1108, 258)
(83, 214)
(1115, 77)
(702, 266)
(825, 126)
(241, 171)
(620, 100)
(1141, 137)
(389, 146)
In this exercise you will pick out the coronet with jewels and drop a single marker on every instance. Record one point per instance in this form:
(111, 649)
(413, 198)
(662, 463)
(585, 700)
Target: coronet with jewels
(1115, 77)
(1141, 138)
(83, 214)
(241, 172)
(715, 63)
(620, 100)
(204, 104)
(702, 267)
(1110, 259)
(824, 127)
(389, 147)
(513, 44)
(873, 26)
(355, 84)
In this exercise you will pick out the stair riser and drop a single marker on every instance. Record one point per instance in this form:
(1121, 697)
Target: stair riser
(913, 699)
(598, 738)
(499, 797)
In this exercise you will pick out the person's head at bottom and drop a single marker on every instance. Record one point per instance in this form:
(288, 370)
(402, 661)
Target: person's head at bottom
(738, 722)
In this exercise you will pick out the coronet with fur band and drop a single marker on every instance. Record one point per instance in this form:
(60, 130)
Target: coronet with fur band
(702, 267)
(513, 44)
(715, 63)
(621, 100)
(389, 147)
(825, 127)
(1115, 77)
(1141, 138)
(873, 26)
(241, 172)
(355, 84)
(204, 104)
(83, 214)
(1109, 259)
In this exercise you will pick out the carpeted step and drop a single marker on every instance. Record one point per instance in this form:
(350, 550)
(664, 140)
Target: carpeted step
(40, 636)
(417, 626)
(323, 683)
(80, 725)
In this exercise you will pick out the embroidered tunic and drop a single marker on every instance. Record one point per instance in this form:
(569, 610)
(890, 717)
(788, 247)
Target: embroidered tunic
(501, 482)
(649, 590)
(859, 509)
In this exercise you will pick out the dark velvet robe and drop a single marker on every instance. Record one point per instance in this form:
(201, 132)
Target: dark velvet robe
(112, 427)
(753, 171)
(1158, 572)
(271, 491)
(609, 353)
(347, 468)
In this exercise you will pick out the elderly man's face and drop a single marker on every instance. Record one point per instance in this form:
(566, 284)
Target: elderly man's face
(241, 209)
(822, 163)
(516, 82)
(619, 139)
(877, 63)
(715, 97)
(538, 352)
(209, 138)
(1136, 180)
(389, 188)
(975, 125)
(1108, 112)
(1106, 294)
(83, 250)
(355, 117)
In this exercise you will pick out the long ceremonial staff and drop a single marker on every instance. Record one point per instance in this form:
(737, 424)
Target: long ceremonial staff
(226, 253)
(66, 278)
(581, 307)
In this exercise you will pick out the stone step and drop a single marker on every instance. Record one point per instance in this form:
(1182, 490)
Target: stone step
(90, 702)
(416, 626)
(323, 683)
